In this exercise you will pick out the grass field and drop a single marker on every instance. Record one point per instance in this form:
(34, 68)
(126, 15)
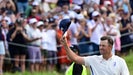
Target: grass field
(129, 60)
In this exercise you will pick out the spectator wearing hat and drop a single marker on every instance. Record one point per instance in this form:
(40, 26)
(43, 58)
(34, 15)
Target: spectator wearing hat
(41, 27)
(63, 62)
(36, 6)
(34, 45)
(97, 30)
(78, 12)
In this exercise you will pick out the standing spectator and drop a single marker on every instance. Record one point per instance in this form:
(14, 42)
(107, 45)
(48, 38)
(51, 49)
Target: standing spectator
(10, 7)
(84, 36)
(36, 6)
(117, 40)
(110, 31)
(125, 39)
(2, 51)
(10, 10)
(74, 33)
(4, 15)
(22, 5)
(66, 13)
(44, 40)
(52, 44)
(34, 14)
(5, 29)
(17, 35)
(44, 6)
(63, 62)
(97, 30)
(34, 45)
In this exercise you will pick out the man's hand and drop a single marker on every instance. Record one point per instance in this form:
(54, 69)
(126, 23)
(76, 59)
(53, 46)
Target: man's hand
(64, 41)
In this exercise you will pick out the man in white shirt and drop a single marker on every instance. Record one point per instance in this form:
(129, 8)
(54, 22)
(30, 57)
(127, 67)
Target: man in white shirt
(105, 64)
(97, 29)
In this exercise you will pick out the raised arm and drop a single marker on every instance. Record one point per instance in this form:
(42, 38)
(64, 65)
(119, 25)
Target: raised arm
(74, 57)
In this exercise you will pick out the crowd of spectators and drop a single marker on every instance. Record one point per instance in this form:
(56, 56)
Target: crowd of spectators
(29, 30)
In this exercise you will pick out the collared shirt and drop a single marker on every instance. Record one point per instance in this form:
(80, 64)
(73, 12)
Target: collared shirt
(97, 33)
(113, 66)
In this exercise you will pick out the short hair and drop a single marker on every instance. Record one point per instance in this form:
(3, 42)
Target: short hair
(108, 38)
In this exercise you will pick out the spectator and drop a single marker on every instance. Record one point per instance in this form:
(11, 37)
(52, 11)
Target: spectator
(110, 31)
(22, 5)
(2, 51)
(36, 6)
(45, 6)
(126, 25)
(52, 45)
(17, 35)
(4, 15)
(5, 29)
(84, 36)
(118, 35)
(34, 45)
(66, 13)
(61, 3)
(34, 14)
(10, 7)
(44, 44)
(97, 30)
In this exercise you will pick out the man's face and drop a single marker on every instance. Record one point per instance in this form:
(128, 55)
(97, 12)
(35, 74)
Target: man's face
(104, 47)
(65, 8)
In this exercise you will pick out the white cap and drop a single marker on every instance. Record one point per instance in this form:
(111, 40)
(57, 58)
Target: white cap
(107, 3)
(40, 23)
(32, 20)
(95, 13)
(76, 7)
(35, 3)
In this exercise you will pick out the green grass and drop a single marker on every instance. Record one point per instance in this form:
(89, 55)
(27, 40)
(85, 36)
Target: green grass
(34, 73)
(129, 61)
